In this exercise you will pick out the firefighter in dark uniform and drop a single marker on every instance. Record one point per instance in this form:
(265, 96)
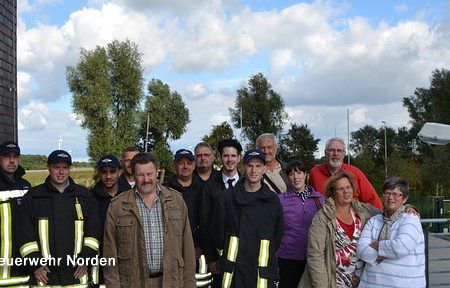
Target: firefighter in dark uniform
(109, 185)
(12, 188)
(58, 221)
(247, 225)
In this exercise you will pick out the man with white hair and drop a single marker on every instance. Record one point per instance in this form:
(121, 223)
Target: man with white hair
(275, 176)
(334, 155)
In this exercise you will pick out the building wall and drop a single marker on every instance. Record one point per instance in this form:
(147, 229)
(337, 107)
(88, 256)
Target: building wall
(8, 70)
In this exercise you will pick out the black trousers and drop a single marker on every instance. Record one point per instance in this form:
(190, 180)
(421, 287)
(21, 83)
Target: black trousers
(291, 272)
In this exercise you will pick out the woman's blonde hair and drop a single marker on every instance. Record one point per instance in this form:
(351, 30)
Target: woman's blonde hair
(330, 185)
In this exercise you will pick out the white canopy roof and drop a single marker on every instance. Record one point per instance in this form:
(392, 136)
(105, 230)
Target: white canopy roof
(435, 133)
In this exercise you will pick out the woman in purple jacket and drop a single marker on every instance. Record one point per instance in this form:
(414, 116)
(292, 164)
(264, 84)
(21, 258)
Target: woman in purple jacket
(300, 203)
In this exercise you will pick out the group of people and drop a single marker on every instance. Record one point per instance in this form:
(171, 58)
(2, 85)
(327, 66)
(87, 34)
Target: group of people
(274, 225)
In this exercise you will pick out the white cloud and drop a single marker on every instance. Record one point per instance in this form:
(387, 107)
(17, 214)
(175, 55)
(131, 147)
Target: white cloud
(402, 7)
(321, 62)
(33, 117)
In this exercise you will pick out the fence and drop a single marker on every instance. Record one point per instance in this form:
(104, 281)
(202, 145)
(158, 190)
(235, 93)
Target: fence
(437, 253)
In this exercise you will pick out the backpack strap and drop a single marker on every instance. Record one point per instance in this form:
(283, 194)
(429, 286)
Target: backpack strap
(273, 185)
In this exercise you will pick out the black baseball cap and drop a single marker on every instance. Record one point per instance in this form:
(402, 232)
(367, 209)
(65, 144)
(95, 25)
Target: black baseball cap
(184, 153)
(108, 161)
(255, 153)
(59, 156)
(9, 147)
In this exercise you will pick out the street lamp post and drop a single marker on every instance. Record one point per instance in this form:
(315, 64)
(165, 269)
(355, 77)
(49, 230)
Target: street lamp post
(385, 149)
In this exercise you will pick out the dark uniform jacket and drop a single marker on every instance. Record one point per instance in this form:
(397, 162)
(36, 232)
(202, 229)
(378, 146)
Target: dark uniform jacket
(251, 217)
(103, 201)
(8, 184)
(44, 203)
(191, 196)
(211, 191)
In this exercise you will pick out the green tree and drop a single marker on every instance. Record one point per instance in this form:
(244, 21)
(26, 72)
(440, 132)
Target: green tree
(262, 109)
(431, 104)
(106, 87)
(218, 133)
(298, 144)
(168, 117)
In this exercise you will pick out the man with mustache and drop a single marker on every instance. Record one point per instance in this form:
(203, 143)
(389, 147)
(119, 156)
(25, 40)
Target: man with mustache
(334, 155)
(147, 231)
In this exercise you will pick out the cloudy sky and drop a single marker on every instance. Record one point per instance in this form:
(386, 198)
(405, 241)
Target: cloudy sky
(323, 57)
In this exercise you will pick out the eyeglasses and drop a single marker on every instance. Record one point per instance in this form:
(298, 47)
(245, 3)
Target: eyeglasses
(393, 194)
(342, 189)
(340, 151)
(204, 155)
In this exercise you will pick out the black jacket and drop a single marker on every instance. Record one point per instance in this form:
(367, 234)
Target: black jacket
(251, 217)
(211, 191)
(103, 199)
(17, 183)
(191, 196)
(45, 202)
(7, 184)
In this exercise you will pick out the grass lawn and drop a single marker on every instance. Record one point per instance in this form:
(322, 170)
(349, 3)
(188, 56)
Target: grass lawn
(82, 177)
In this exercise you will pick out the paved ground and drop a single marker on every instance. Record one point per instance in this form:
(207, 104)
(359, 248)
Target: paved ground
(439, 261)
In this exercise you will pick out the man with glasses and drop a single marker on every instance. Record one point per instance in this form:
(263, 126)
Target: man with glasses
(204, 161)
(334, 156)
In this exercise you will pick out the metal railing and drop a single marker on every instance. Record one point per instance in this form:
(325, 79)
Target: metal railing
(445, 256)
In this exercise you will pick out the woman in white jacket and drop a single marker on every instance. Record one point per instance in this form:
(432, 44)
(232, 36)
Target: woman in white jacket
(392, 243)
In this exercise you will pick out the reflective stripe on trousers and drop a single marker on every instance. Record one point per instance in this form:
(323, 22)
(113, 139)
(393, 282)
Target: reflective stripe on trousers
(263, 259)
(231, 256)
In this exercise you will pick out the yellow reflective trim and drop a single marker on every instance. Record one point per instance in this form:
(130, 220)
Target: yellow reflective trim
(78, 209)
(262, 282)
(43, 237)
(91, 242)
(227, 278)
(95, 273)
(78, 237)
(6, 238)
(59, 286)
(202, 267)
(203, 283)
(233, 249)
(29, 248)
(15, 280)
(84, 279)
(263, 257)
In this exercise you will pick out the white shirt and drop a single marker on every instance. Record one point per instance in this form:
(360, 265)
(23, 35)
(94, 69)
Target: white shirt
(225, 179)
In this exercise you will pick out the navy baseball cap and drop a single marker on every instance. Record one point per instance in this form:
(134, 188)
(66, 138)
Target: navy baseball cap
(255, 153)
(184, 153)
(108, 161)
(9, 147)
(59, 156)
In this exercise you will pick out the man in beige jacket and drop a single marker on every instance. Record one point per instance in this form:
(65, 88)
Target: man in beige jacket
(147, 231)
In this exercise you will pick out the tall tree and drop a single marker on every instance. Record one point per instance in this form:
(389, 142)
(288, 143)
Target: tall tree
(106, 86)
(218, 133)
(262, 109)
(168, 118)
(298, 144)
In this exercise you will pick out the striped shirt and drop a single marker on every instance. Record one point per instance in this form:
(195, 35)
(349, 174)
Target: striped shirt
(404, 265)
(153, 224)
